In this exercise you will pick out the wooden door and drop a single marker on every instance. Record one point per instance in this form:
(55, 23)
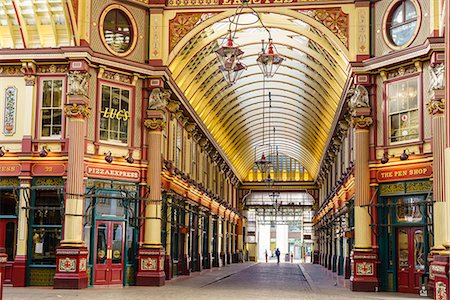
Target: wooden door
(8, 234)
(108, 267)
(410, 259)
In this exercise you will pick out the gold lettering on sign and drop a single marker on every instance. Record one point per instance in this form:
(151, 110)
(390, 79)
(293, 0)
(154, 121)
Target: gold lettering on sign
(48, 169)
(114, 113)
(8, 169)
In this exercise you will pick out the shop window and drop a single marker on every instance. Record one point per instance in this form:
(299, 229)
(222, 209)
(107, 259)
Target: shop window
(51, 107)
(403, 110)
(118, 30)
(402, 22)
(8, 201)
(46, 226)
(419, 250)
(409, 209)
(114, 114)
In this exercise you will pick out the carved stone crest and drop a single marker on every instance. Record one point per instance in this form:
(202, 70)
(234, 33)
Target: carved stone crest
(359, 98)
(78, 83)
(158, 98)
(437, 77)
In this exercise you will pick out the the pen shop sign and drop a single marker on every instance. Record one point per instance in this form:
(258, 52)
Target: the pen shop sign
(405, 173)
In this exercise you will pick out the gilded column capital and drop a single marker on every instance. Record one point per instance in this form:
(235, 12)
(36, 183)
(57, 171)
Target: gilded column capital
(361, 122)
(436, 106)
(75, 110)
(155, 123)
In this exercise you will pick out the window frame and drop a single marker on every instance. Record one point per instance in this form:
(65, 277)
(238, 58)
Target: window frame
(40, 107)
(130, 133)
(134, 34)
(387, 21)
(387, 115)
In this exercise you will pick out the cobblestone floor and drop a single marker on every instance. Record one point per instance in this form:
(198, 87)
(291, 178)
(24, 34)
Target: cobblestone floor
(237, 281)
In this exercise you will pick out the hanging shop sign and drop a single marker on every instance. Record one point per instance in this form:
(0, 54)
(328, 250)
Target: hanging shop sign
(118, 173)
(48, 169)
(10, 169)
(405, 173)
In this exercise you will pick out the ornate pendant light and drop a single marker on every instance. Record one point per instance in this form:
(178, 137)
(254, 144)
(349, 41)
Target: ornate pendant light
(229, 55)
(269, 60)
(263, 164)
(231, 76)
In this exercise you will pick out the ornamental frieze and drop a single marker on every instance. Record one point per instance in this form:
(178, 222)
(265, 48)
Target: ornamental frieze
(9, 121)
(52, 69)
(119, 77)
(11, 70)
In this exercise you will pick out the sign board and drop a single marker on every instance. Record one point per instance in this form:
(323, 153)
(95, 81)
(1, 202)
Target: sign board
(112, 172)
(404, 173)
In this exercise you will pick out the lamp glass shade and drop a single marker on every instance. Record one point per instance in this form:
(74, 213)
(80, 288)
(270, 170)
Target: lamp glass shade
(269, 62)
(229, 55)
(231, 76)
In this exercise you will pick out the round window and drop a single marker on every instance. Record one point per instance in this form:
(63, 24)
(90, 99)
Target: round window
(402, 22)
(118, 30)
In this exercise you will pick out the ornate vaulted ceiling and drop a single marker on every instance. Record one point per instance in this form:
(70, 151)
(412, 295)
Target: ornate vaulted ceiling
(304, 93)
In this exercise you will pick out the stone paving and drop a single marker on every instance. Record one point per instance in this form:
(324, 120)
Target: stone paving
(236, 281)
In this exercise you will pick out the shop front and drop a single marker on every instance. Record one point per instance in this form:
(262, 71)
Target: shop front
(111, 227)
(9, 194)
(405, 223)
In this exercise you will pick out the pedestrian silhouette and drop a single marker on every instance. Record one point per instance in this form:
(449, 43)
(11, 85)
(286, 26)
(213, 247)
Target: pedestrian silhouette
(277, 253)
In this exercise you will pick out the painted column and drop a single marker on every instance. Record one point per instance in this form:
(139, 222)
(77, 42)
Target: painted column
(364, 258)
(20, 261)
(28, 110)
(240, 240)
(187, 258)
(219, 241)
(199, 242)
(168, 259)
(209, 242)
(151, 254)
(229, 238)
(71, 255)
(224, 242)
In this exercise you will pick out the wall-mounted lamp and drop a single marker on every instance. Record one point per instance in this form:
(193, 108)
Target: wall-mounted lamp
(404, 155)
(385, 158)
(44, 151)
(3, 151)
(129, 158)
(108, 157)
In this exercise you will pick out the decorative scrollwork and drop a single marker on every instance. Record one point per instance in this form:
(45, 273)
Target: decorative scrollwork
(436, 106)
(437, 73)
(77, 110)
(78, 83)
(359, 98)
(159, 98)
(362, 121)
(155, 123)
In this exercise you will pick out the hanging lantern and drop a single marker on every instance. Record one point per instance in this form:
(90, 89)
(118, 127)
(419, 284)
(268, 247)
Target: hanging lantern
(269, 181)
(229, 54)
(263, 164)
(269, 62)
(231, 76)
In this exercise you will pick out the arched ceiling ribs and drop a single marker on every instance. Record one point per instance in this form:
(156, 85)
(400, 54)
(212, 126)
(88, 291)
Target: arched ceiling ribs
(305, 91)
(249, 96)
(253, 133)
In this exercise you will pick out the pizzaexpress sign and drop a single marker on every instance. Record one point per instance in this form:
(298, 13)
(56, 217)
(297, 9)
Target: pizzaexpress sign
(113, 172)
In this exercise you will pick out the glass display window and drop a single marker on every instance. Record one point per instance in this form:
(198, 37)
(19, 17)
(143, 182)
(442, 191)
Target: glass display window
(114, 114)
(403, 105)
(52, 98)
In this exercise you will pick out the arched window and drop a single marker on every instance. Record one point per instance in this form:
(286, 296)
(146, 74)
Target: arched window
(402, 22)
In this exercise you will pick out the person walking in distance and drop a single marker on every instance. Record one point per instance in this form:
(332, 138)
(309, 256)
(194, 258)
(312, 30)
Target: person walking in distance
(277, 253)
(267, 256)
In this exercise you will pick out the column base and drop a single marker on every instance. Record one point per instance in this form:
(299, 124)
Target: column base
(150, 267)
(329, 261)
(198, 263)
(71, 263)
(347, 267)
(215, 260)
(207, 261)
(439, 273)
(228, 258)
(168, 267)
(334, 263)
(19, 271)
(364, 276)
(186, 266)
(222, 259)
(339, 265)
(316, 259)
(430, 285)
(235, 258)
